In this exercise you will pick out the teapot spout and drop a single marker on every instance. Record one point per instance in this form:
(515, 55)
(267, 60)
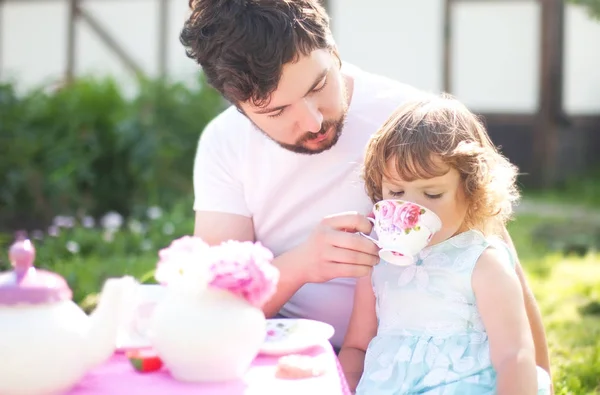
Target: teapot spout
(105, 320)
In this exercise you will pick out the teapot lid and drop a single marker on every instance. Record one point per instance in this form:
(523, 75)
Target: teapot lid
(27, 284)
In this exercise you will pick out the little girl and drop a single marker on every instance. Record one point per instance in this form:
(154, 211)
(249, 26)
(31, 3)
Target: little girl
(454, 322)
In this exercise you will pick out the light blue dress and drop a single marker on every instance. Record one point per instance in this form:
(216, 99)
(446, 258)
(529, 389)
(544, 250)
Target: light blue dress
(430, 337)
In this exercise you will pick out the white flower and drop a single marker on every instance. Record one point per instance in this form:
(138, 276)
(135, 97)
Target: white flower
(194, 278)
(53, 231)
(108, 235)
(136, 226)
(154, 212)
(88, 222)
(183, 264)
(37, 234)
(146, 245)
(72, 247)
(168, 228)
(112, 221)
(63, 221)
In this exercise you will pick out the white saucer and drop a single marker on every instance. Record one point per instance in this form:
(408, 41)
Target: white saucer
(126, 342)
(289, 335)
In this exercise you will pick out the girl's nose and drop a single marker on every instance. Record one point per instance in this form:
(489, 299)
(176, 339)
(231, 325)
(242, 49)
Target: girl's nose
(413, 198)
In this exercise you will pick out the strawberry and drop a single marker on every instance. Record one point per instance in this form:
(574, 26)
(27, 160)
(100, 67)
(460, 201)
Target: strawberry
(144, 360)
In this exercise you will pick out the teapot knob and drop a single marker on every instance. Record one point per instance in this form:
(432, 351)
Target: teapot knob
(22, 255)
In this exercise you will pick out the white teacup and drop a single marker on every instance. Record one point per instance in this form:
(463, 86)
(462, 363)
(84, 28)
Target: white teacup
(134, 331)
(403, 229)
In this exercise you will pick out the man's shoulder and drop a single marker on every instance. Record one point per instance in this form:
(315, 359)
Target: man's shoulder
(228, 121)
(378, 89)
(229, 126)
(376, 96)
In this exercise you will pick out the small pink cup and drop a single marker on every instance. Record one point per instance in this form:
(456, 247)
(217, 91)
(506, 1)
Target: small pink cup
(403, 229)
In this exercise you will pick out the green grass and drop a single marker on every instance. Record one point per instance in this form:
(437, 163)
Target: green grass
(583, 190)
(567, 289)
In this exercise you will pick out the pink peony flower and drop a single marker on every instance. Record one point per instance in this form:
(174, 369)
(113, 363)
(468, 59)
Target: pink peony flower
(242, 268)
(386, 212)
(245, 269)
(407, 216)
(185, 251)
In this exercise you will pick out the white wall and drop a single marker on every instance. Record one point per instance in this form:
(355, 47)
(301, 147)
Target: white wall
(495, 66)
(33, 41)
(398, 38)
(34, 38)
(495, 55)
(582, 63)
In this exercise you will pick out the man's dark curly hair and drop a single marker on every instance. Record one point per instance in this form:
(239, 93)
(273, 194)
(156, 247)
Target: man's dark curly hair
(242, 45)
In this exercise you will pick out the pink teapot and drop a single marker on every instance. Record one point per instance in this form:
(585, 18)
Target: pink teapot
(47, 342)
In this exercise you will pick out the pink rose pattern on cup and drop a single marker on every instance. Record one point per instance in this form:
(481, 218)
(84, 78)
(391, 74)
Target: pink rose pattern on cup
(386, 213)
(403, 217)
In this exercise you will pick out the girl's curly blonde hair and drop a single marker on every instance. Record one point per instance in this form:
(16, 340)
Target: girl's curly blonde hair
(441, 126)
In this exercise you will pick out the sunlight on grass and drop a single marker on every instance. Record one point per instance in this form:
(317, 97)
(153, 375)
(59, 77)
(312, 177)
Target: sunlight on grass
(583, 190)
(568, 292)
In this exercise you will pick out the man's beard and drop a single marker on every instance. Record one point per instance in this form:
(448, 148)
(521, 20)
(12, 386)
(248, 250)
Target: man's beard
(332, 127)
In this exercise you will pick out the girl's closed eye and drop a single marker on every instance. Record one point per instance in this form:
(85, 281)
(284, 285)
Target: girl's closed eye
(396, 193)
(433, 196)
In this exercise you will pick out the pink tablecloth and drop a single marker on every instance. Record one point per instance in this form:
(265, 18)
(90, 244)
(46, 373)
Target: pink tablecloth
(117, 376)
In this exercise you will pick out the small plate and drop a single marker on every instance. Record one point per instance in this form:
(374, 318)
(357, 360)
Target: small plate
(126, 342)
(288, 335)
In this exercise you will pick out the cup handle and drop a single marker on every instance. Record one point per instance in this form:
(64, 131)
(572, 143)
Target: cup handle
(370, 238)
(371, 220)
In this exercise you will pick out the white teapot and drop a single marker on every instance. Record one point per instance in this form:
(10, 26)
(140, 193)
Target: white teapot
(47, 342)
(210, 325)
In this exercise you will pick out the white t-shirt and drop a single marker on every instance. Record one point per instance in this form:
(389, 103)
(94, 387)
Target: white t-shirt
(239, 170)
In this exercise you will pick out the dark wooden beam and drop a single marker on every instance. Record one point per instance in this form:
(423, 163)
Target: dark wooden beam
(163, 28)
(550, 111)
(507, 118)
(1, 34)
(41, 1)
(495, 1)
(71, 40)
(447, 47)
(110, 42)
(591, 121)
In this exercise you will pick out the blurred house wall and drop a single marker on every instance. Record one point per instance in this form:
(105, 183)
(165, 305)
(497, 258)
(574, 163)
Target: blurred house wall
(494, 64)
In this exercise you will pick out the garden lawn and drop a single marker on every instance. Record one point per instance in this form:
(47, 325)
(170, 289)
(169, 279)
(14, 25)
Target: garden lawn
(568, 291)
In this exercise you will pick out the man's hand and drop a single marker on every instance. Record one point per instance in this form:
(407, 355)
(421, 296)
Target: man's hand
(334, 249)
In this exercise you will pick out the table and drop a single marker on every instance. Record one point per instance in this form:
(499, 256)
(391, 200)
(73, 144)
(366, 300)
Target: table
(117, 376)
